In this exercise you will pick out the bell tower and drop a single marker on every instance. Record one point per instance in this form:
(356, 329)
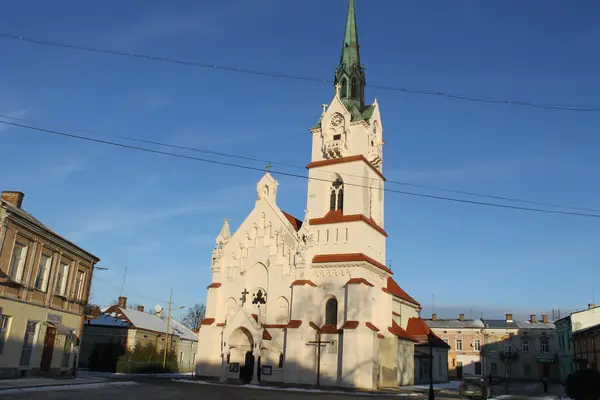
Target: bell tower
(345, 193)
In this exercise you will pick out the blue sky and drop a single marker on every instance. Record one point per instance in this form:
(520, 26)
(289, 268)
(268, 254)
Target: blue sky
(158, 216)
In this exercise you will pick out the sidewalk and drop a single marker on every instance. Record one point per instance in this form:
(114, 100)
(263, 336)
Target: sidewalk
(26, 383)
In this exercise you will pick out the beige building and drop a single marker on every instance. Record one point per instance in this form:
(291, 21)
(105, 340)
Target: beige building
(465, 338)
(118, 329)
(44, 287)
(521, 350)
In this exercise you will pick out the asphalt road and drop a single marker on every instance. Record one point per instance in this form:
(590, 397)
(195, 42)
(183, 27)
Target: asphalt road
(167, 390)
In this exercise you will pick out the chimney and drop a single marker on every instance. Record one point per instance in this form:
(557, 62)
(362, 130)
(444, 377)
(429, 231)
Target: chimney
(14, 198)
(122, 302)
(434, 317)
(545, 318)
(509, 318)
(461, 317)
(591, 305)
(140, 308)
(533, 318)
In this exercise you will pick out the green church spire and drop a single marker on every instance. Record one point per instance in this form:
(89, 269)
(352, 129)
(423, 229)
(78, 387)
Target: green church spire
(350, 73)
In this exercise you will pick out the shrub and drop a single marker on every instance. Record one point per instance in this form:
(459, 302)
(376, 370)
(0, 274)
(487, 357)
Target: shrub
(583, 385)
(145, 358)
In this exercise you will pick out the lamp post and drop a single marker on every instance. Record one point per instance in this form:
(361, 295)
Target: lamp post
(430, 337)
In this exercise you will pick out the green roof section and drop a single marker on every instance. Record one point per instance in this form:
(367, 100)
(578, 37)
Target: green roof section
(350, 47)
(350, 74)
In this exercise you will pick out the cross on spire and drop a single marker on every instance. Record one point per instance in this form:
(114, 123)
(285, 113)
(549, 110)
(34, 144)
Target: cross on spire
(269, 167)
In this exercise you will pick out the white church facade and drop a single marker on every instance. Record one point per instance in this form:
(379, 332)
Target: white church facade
(295, 301)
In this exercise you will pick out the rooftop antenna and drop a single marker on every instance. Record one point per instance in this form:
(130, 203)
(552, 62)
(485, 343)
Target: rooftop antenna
(123, 284)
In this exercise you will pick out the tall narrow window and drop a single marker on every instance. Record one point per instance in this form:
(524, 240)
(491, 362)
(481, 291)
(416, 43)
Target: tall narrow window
(17, 262)
(354, 89)
(344, 92)
(79, 284)
(61, 279)
(41, 281)
(336, 200)
(545, 345)
(332, 200)
(331, 311)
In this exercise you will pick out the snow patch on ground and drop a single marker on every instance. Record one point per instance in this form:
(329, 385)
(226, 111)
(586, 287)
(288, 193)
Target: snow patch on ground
(66, 387)
(304, 390)
(454, 385)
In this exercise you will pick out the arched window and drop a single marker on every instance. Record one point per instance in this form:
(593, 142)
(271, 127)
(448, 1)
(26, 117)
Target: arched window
(332, 200)
(331, 309)
(344, 91)
(336, 199)
(354, 89)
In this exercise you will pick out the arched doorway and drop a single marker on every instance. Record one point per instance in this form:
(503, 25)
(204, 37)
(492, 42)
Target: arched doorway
(241, 345)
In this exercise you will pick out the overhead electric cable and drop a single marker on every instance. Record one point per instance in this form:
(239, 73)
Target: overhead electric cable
(250, 168)
(388, 181)
(457, 96)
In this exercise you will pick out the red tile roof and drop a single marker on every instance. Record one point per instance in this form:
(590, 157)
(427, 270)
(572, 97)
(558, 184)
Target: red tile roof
(303, 282)
(380, 336)
(266, 335)
(294, 324)
(207, 321)
(341, 160)
(355, 281)
(275, 326)
(419, 329)
(221, 324)
(350, 325)
(330, 329)
(255, 317)
(397, 330)
(214, 285)
(372, 327)
(394, 289)
(296, 223)
(335, 217)
(348, 257)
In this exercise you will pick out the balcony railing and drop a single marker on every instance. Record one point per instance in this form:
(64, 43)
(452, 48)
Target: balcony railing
(334, 148)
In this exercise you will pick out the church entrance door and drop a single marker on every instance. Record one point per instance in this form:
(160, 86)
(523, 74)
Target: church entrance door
(247, 370)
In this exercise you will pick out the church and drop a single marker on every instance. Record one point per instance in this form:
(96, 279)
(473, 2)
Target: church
(311, 301)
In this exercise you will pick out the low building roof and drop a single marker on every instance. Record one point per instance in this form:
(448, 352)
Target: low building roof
(116, 316)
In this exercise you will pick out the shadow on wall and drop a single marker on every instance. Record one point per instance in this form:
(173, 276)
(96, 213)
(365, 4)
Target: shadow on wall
(269, 375)
(524, 356)
(357, 347)
(18, 360)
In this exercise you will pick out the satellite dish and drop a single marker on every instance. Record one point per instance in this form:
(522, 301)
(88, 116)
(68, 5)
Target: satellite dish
(158, 308)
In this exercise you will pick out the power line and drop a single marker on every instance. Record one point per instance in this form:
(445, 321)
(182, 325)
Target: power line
(468, 193)
(456, 96)
(246, 167)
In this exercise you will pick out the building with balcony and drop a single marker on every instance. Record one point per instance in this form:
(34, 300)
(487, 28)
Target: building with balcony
(521, 350)
(566, 361)
(44, 288)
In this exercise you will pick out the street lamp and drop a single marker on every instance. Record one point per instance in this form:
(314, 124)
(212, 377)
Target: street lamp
(430, 337)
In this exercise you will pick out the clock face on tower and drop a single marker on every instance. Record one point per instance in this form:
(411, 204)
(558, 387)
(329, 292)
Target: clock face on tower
(337, 120)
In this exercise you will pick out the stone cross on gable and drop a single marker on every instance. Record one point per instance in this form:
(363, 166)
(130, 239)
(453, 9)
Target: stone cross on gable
(245, 293)
(338, 88)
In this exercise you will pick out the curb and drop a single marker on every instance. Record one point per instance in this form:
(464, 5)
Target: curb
(18, 388)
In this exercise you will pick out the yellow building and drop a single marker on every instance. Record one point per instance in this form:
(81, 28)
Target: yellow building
(44, 288)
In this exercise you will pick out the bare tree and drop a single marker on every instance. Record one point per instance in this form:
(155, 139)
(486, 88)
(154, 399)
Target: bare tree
(194, 317)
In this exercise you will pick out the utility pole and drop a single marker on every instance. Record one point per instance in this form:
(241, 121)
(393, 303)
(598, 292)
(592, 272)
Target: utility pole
(168, 327)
